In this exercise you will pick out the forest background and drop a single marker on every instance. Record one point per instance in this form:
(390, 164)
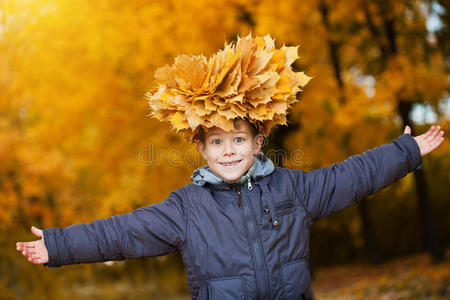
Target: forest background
(76, 142)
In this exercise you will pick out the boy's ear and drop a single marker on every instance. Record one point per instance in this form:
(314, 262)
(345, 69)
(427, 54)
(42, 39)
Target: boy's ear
(258, 141)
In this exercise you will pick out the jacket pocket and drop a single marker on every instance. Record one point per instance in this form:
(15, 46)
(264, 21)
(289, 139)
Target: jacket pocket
(296, 279)
(223, 288)
(283, 206)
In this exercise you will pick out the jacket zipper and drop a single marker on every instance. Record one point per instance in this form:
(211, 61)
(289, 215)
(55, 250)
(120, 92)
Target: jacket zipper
(268, 213)
(249, 183)
(261, 274)
(240, 198)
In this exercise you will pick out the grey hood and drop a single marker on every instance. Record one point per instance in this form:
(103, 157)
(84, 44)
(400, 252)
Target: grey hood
(261, 167)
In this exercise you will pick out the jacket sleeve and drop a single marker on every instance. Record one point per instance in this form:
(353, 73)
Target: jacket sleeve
(148, 231)
(331, 189)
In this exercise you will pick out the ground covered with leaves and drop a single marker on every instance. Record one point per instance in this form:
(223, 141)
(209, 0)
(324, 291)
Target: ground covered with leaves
(412, 277)
(407, 278)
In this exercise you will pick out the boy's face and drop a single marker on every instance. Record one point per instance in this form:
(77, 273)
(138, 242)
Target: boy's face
(230, 154)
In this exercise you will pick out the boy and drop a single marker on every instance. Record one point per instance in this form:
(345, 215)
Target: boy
(243, 227)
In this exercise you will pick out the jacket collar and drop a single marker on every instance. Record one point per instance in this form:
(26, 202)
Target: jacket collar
(261, 167)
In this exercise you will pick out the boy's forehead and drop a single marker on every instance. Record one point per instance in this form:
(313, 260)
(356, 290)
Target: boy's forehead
(241, 127)
(222, 132)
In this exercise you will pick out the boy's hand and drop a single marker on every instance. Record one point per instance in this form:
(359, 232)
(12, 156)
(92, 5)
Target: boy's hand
(428, 141)
(35, 251)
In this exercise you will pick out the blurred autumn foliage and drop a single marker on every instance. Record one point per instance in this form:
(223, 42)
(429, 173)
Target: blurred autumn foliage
(76, 143)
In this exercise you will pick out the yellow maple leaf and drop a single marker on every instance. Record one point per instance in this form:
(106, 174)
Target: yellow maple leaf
(178, 121)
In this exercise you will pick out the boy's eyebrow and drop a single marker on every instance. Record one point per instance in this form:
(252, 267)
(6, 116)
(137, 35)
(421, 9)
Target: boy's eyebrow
(236, 132)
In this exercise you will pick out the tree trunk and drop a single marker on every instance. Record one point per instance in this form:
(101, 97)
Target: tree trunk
(368, 233)
(429, 232)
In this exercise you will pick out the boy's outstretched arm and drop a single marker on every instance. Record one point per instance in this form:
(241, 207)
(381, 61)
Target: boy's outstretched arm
(327, 190)
(35, 251)
(153, 230)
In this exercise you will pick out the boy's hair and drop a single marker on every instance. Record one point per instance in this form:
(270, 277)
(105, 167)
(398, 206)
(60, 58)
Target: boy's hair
(201, 134)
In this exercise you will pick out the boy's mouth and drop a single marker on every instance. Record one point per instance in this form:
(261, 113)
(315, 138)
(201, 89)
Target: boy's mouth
(230, 164)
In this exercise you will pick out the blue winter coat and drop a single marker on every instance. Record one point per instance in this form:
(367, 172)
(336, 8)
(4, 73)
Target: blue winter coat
(236, 242)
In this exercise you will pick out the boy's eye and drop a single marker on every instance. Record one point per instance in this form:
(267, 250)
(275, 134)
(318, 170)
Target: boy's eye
(216, 142)
(239, 139)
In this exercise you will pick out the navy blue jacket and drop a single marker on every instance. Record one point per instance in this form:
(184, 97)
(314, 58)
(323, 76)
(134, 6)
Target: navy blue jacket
(239, 241)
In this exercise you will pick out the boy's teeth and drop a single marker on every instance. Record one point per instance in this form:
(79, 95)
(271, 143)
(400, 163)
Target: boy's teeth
(230, 164)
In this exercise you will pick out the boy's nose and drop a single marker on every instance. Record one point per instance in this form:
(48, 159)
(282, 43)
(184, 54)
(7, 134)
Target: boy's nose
(229, 149)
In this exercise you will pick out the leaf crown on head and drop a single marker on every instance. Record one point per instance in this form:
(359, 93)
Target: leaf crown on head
(250, 80)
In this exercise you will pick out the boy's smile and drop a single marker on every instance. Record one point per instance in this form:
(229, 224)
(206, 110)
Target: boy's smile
(230, 154)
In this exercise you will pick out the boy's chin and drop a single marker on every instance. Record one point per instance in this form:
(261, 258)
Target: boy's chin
(233, 177)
